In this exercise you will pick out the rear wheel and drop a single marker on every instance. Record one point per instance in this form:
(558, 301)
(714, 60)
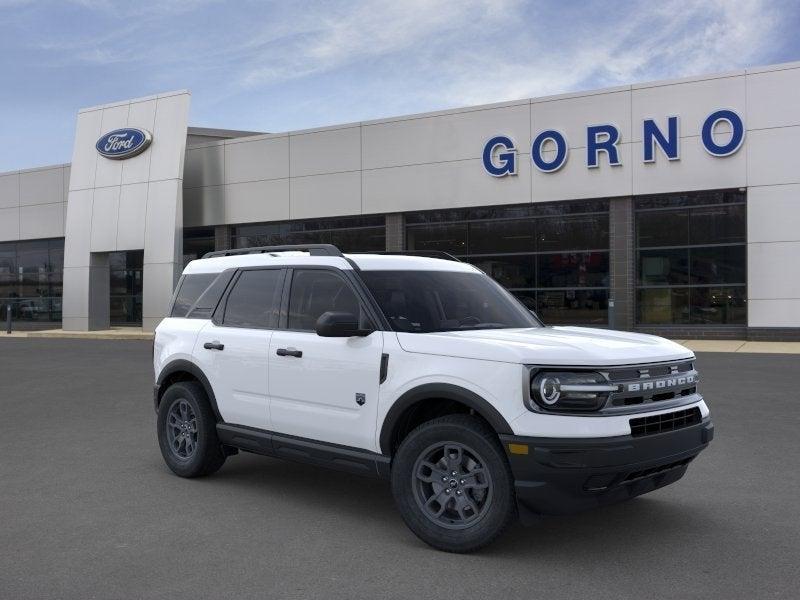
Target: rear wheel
(187, 432)
(452, 484)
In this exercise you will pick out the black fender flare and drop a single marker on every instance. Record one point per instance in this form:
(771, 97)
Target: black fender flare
(446, 391)
(182, 365)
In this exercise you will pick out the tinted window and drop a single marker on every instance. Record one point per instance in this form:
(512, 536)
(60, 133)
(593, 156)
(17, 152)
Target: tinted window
(191, 288)
(425, 301)
(253, 299)
(318, 291)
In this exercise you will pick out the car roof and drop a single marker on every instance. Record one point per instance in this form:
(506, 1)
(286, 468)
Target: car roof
(366, 262)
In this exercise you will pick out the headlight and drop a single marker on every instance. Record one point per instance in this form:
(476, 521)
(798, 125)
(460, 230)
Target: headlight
(570, 390)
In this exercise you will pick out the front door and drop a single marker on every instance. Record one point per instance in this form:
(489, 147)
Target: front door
(233, 351)
(324, 388)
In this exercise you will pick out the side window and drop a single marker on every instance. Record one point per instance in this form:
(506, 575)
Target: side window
(253, 301)
(189, 292)
(318, 291)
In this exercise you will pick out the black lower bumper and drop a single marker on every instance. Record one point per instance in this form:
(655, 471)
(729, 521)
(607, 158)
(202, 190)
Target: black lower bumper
(557, 476)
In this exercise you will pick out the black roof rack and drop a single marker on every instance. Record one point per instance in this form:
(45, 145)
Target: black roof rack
(312, 249)
(424, 253)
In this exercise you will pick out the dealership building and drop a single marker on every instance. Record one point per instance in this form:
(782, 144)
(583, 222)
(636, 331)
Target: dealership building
(670, 207)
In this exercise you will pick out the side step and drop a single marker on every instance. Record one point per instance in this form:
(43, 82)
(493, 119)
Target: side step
(331, 456)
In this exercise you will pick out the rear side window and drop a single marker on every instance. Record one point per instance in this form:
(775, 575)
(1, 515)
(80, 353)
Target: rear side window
(190, 290)
(253, 301)
(315, 292)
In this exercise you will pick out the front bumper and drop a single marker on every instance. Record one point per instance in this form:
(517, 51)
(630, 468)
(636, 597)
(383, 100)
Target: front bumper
(565, 475)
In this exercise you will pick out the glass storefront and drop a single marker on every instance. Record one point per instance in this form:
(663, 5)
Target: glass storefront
(349, 234)
(196, 243)
(691, 258)
(126, 287)
(553, 256)
(31, 279)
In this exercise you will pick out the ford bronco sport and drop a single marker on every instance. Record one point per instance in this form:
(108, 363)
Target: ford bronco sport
(423, 371)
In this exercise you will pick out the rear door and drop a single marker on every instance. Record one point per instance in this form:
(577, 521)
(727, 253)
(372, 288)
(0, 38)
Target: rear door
(324, 388)
(232, 348)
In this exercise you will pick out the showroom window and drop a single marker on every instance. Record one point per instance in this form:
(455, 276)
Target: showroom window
(553, 256)
(31, 279)
(196, 243)
(126, 287)
(349, 234)
(691, 258)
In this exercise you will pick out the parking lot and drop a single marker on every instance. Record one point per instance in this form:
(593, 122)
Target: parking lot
(88, 509)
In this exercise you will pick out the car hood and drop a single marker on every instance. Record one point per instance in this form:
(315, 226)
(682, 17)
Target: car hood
(579, 346)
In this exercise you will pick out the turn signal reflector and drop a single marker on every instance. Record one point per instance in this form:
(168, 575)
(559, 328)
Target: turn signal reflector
(518, 448)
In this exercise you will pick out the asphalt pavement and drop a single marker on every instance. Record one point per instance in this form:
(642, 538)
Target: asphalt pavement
(88, 509)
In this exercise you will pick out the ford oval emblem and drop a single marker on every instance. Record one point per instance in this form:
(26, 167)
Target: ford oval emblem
(123, 143)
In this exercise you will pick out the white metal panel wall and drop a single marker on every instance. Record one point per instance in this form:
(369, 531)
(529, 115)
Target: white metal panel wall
(132, 204)
(33, 203)
(773, 197)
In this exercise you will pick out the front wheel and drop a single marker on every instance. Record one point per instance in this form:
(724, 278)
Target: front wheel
(453, 485)
(187, 431)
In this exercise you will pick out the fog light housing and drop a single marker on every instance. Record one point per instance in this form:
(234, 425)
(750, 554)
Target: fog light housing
(569, 390)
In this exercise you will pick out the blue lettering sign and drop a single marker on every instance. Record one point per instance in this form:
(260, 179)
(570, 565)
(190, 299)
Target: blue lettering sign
(601, 138)
(737, 137)
(507, 159)
(652, 135)
(561, 151)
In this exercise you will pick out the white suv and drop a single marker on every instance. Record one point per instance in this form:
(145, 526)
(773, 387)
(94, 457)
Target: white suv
(423, 371)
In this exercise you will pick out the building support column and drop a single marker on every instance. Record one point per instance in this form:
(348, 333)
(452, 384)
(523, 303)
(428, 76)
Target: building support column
(395, 232)
(621, 301)
(222, 237)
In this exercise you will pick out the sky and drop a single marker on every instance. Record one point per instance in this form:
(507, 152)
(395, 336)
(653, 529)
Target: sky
(279, 66)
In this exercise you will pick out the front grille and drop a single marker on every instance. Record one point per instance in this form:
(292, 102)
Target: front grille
(664, 422)
(652, 383)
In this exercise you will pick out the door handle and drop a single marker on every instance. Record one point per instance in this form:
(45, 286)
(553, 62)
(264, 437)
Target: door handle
(213, 346)
(289, 352)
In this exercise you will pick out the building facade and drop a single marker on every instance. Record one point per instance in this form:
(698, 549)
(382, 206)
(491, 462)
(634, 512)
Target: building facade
(669, 207)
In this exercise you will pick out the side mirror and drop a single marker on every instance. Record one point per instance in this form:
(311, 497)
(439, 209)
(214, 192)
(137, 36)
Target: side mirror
(339, 324)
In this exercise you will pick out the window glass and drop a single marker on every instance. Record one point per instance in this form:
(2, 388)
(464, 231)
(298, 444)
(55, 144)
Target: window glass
(585, 232)
(529, 249)
(663, 228)
(497, 237)
(723, 224)
(560, 307)
(718, 264)
(428, 301)
(719, 306)
(703, 245)
(317, 291)
(581, 269)
(126, 273)
(508, 271)
(8, 259)
(31, 280)
(253, 301)
(349, 234)
(663, 306)
(664, 267)
(448, 238)
(191, 289)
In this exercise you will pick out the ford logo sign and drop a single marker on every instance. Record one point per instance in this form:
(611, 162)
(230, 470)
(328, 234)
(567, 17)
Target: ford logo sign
(123, 143)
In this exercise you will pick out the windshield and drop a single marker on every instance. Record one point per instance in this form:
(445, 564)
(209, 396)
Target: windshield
(428, 301)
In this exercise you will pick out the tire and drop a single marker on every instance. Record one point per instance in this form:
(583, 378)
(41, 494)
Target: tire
(479, 505)
(187, 431)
